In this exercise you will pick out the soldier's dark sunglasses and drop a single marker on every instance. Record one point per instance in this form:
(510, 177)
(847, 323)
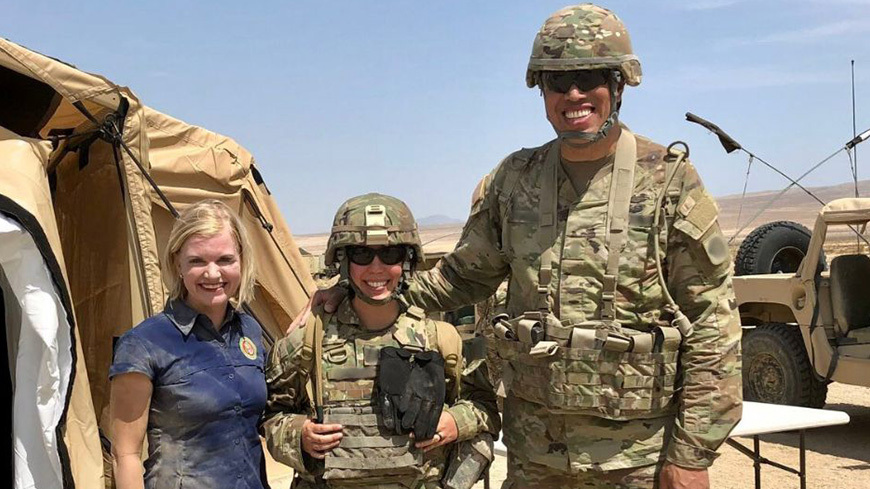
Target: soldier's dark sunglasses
(389, 255)
(584, 80)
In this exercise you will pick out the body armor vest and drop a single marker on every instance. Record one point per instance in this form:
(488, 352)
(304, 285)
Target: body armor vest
(578, 361)
(370, 455)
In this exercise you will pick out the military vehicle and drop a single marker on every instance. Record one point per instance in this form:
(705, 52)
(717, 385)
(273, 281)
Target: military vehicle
(808, 325)
(805, 325)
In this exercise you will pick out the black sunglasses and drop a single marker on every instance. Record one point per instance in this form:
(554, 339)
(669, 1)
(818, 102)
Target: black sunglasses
(389, 255)
(584, 80)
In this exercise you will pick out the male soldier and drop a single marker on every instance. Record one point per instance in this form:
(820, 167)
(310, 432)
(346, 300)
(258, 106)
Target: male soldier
(622, 341)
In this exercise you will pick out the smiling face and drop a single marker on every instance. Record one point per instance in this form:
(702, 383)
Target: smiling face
(577, 110)
(376, 280)
(210, 268)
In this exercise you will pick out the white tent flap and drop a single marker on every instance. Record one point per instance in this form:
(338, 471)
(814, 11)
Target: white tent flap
(43, 359)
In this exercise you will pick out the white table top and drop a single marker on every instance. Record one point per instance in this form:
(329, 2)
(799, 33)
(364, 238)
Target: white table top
(759, 418)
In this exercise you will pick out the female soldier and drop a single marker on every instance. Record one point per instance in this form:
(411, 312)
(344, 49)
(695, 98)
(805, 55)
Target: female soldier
(384, 374)
(192, 376)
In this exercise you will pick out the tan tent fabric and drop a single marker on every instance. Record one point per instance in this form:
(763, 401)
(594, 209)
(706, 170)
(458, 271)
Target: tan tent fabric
(23, 179)
(112, 225)
(191, 164)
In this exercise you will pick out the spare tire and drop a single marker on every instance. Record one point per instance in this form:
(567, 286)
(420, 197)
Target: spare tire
(775, 247)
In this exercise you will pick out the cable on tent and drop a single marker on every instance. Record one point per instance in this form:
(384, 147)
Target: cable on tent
(269, 227)
(111, 132)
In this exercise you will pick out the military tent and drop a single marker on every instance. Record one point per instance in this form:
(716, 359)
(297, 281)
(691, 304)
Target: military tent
(90, 181)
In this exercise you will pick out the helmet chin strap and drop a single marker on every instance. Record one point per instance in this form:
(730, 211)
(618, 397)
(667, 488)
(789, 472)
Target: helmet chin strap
(579, 139)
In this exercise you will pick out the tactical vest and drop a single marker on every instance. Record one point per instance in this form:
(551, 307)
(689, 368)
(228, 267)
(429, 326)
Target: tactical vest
(582, 365)
(370, 455)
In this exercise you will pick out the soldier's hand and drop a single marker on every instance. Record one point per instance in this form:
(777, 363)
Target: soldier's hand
(447, 432)
(329, 299)
(317, 439)
(676, 477)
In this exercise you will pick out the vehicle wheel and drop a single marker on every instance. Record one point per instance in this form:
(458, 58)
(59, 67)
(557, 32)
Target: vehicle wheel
(775, 247)
(777, 370)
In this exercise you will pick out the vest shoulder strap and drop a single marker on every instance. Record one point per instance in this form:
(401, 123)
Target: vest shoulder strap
(444, 337)
(621, 190)
(311, 355)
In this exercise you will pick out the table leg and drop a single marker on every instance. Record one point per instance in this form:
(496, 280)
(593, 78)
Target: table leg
(803, 462)
(757, 462)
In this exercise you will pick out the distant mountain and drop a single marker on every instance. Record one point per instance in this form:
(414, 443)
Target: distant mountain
(794, 205)
(438, 220)
(439, 233)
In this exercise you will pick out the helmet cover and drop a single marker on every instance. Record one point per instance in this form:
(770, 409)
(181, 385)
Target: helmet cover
(583, 37)
(371, 220)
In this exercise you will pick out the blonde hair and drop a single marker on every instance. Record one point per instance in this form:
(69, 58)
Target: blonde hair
(207, 218)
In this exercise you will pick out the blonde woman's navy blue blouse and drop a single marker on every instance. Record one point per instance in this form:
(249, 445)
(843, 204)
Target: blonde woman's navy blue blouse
(209, 393)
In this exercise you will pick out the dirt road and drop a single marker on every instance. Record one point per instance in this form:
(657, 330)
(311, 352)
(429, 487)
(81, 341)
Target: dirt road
(837, 457)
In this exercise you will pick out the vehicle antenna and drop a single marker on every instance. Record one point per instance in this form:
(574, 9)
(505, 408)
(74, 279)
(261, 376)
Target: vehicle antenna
(745, 186)
(853, 156)
(731, 145)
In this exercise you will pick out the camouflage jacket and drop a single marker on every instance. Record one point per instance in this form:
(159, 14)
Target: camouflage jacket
(501, 240)
(289, 389)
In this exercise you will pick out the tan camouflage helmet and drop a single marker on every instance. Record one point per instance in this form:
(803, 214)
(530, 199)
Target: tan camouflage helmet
(373, 220)
(583, 37)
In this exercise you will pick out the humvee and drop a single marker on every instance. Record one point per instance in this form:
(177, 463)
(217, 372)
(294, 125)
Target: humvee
(807, 327)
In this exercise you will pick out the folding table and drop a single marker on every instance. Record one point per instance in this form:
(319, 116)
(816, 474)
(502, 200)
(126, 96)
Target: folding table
(760, 419)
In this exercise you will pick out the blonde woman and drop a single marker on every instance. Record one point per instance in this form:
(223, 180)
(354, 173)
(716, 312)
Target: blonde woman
(191, 377)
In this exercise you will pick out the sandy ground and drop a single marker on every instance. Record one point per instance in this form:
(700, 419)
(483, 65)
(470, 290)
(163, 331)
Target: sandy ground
(837, 457)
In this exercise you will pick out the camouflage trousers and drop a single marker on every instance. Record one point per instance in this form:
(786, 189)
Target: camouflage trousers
(300, 483)
(523, 474)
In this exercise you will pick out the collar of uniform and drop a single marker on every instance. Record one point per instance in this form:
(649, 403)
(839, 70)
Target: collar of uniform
(184, 317)
(567, 194)
(345, 313)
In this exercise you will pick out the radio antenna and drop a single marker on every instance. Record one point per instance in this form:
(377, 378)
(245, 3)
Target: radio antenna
(854, 158)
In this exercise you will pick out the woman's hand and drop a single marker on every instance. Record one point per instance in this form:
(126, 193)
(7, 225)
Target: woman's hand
(446, 433)
(317, 439)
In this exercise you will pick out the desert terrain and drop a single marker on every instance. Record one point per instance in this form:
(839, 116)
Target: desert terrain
(795, 205)
(837, 457)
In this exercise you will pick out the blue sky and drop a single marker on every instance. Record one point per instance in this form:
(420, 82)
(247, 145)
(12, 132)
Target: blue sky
(421, 99)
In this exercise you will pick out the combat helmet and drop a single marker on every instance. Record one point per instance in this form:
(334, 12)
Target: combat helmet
(373, 220)
(585, 37)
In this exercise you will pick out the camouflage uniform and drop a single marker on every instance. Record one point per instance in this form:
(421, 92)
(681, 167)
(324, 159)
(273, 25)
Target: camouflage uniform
(626, 417)
(348, 345)
(369, 454)
(501, 238)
